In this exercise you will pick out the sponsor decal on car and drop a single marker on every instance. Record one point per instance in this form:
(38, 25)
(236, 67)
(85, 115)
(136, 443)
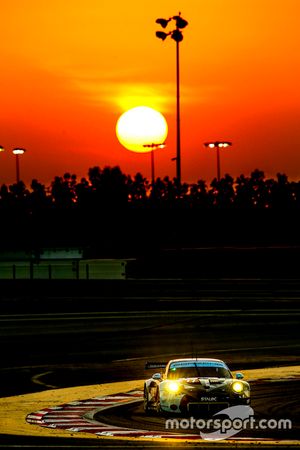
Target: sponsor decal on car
(176, 365)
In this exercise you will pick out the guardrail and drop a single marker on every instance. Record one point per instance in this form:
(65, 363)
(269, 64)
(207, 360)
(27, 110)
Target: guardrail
(105, 269)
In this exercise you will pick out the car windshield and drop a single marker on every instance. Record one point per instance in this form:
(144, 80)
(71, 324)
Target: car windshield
(198, 372)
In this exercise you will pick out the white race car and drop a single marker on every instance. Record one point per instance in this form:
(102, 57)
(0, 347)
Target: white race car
(194, 385)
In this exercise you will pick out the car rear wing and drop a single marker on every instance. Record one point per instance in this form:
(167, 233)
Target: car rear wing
(155, 365)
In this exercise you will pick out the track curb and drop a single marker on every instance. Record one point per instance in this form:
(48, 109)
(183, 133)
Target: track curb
(15, 410)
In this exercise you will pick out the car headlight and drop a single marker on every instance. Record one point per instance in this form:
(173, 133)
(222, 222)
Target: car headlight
(237, 387)
(173, 387)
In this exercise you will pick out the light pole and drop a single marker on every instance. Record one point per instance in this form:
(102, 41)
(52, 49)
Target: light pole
(218, 145)
(2, 149)
(17, 152)
(175, 34)
(153, 147)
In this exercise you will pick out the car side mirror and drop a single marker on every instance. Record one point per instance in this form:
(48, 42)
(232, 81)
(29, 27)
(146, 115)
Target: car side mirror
(156, 376)
(239, 376)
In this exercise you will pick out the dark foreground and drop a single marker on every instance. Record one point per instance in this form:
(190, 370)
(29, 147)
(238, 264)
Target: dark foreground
(57, 334)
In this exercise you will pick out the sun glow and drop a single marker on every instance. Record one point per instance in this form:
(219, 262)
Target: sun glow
(140, 127)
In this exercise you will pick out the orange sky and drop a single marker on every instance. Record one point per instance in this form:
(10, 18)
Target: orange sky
(71, 68)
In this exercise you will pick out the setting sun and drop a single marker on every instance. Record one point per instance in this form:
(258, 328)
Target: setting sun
(140, 127)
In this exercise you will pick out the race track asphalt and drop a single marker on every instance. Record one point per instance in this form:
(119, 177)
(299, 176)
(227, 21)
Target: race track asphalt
(64, 336)
(16, 411)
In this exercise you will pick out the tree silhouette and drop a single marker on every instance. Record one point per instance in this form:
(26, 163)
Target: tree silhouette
(38, 198)
(137, 190)
(222, 192)
(110, 188)
(63, 192)
(198, 194)
(111, 210)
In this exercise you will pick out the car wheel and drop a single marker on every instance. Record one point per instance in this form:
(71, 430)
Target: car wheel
(158, 409)
(154, 409)
(146, 404)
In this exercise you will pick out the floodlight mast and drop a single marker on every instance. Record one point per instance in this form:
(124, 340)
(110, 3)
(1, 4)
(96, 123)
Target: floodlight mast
(177, 35)
(153, 147)
(17, 152)
(217, 145)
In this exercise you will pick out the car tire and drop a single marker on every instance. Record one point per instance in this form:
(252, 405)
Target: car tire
(150, 411)
(146, 405)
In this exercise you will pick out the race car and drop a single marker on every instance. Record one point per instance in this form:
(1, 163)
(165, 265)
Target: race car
(194, 386)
